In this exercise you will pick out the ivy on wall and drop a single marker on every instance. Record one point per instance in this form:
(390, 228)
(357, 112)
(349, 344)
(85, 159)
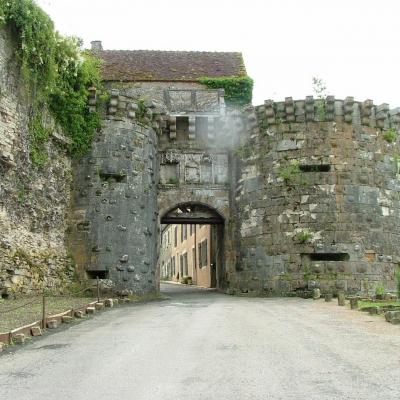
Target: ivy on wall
(57, 75)
(238, 89)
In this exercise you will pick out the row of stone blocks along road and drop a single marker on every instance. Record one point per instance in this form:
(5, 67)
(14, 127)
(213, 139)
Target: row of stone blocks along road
(20, 338)
(320, 110)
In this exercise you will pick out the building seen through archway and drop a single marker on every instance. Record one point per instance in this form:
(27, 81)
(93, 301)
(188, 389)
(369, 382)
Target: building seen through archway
(188, 254)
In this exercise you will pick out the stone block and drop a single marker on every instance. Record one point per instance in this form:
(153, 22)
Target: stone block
(79, 314)
(19, 338)
(52, 324)
(36, 331)
(99, 306)
(66, 319)
(316, 293)
(375, 310)
(90, 310)
(341, 299)
(328, 297)
(392, 315)
(354, 303)
(115, 302)
(109, 303)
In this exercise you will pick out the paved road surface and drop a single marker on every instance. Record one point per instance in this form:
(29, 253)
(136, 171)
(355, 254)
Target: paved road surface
(204, 345)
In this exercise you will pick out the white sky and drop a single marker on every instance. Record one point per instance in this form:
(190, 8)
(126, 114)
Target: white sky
(353, 45)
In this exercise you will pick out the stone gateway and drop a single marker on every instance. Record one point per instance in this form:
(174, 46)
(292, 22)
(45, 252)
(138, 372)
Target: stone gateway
(305, 193)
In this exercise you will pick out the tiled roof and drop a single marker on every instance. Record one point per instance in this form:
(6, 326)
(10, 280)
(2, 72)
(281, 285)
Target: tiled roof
(150, 65)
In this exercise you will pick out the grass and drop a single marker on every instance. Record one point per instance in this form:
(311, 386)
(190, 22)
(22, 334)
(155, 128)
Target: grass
(33, 312)
(366, 304)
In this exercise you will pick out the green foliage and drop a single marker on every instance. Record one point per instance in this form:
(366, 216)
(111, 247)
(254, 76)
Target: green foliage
(397, 277)
(68, 100)
(380, 289)
(320, 109)
(173, 181)
(39, 136)
(291, 172)
(141, 111)
(319, 90)
(57, 75)
(319, 87)
(367, 304)
(243, 151)
(304, 236)
(390, 135)
(238, 89)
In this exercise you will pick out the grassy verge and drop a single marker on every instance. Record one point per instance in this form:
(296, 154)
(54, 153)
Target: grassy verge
(365, 304)
(33, 312)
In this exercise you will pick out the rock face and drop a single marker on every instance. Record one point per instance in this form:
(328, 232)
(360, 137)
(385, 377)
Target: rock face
(34, 202)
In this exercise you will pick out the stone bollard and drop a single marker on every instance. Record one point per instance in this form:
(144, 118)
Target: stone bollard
(328, 297)
(109, 303)
(115, 302)
(354, 303)
(79, 314)
(66, 319)
(90, 310)
(2, 346)
(316, 294)
(36, 331)
(375, 310)
(391, 316)
(19, 338)
(52, 324)
(341, 299)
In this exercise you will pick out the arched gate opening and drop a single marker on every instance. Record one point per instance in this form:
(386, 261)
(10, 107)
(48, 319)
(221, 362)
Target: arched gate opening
(192, 245)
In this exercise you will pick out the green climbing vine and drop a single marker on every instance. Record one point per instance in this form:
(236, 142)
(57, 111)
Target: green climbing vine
(238, 89)
(56, 74)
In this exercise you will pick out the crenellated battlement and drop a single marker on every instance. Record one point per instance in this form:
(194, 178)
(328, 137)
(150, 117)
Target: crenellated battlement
(328, 109)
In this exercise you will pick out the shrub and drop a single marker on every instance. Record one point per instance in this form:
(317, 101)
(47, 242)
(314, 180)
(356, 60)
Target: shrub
(390, 135)
(238, 89)
(304, 236)
(57, 75)
(290, 172)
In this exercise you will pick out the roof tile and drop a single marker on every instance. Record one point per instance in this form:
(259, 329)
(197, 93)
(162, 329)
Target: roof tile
(152, 65)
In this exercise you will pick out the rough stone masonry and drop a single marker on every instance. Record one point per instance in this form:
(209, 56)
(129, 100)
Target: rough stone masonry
(306, 192)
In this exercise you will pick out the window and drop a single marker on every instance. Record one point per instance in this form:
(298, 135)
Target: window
(185, 270)
(173, 266)
(176, 236)
(182, 126)
(203, 253)
(191, 229)
(183, 232)
(181, 265)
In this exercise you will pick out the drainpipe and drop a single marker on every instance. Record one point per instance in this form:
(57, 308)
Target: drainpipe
(195, 252)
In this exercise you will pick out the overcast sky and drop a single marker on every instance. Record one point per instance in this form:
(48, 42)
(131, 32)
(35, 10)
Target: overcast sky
(353, 45)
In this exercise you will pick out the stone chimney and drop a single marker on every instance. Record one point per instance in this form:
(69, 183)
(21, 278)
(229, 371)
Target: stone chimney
(96, 45)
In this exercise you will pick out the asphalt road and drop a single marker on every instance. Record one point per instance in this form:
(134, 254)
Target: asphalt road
(203, 345)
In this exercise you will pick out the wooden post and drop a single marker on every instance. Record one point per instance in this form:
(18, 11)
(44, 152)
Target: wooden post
(98, 289)
(44, 311)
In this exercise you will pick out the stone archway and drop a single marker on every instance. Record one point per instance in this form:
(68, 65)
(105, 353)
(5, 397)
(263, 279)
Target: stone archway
(196, 213)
